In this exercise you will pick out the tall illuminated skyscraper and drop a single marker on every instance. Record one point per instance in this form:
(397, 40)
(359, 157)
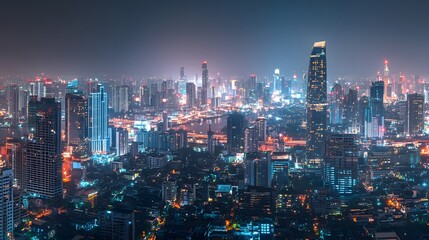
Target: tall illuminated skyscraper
(44, 161)
(276, 80)
(205, 81)
(76, 124)
(336, 106)
(316, 105)
(98, 120)
(374, 115)
(386, 80)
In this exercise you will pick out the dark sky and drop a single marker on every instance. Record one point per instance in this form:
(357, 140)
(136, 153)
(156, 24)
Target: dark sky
(149, 38)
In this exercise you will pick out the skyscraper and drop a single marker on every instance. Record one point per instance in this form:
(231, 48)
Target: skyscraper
(6, 203)
(276, 80)
(340, 168)
(414, 117)
(235, 132)
(120, 98)
(76, 113)
(351, 111)
(205, 81)
(13, 103)
(190, 94)
(44, 161)
(16, 156)
(98, 120)
(387, 91)
(316, 105)
(336, 108)
(374, 122)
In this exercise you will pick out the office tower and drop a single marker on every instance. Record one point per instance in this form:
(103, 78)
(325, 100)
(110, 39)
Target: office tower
(165, 125)
(16, 157)
(286, 88)
(12, 96)
(98, 120)
(182, 74)
(76, 122)
(261, 127)
(210, 141)
(6, 203)
(374, 123)
(340, 171)
(363, 105)
(276, 80)
(257, 169)
(121, 137)
(44, 161)
(169, 190)
(23, 102)
(144, 96)
(415, 117)
(279, 169)
(190, 94)
(336, 108)
(205, 82)
(182, 138)
(37, 88)
(235, 132)
(116, 224)
(399, 85)
(120, 99)
(256, 202)
(316, 105)
(351, 111)
(387, 94)
(250, 139)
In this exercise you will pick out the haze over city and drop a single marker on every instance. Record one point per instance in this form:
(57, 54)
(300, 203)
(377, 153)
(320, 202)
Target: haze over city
(214, 120)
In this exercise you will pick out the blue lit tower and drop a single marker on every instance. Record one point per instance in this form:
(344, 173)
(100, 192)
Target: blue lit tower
(98, 120)
(316, 105)
(374, 122)
(204, 86)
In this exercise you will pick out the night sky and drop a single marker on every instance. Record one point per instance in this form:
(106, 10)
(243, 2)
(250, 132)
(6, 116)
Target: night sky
(155, 38)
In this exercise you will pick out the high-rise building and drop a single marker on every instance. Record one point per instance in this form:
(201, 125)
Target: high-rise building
(16, 157)
(190, 94)
(98, 120)
(6, 203)
(144, 96)
(336, 108)
(362, 113)
(76, 113)
(205, 82)
(169, 190)
(37, 88)
(316, 105)
(117, 224)
(235, 132)
(374, 122)
(340, 168)
(261, 127)
(250, 139)
(120, 99)
(13, 103)
(387, 91)
(351, 111)
(44, 161)
(276, 80)
(121, 140)
(415, 111)
(257, 169)
(182, 74)
(256, 202)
